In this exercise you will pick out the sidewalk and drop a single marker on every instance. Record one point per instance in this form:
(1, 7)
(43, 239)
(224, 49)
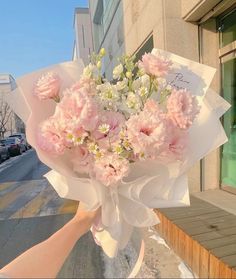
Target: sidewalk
(203, 235)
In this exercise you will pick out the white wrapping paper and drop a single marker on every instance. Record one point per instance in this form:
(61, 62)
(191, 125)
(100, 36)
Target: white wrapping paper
(150, 184)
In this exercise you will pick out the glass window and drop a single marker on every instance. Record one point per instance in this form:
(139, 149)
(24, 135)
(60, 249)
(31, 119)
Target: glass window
(228, 29)
(147, 47)
(228, 171)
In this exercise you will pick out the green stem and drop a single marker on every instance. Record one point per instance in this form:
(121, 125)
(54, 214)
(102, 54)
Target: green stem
(150, 87)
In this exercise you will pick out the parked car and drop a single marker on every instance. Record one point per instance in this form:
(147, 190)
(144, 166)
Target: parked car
(4, 153)
(22, 138)
(15, 147)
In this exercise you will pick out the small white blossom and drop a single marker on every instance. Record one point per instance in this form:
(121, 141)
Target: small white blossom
(145, 79)
(136, 84)
(90, 71)
(79, 140)
(143, 91)
(98, 154)
(104, 128)
(108, 92)
(169, 87)
(117, 71)
(118, 149)
(92, 147)
(122, 85)
(133, 101)
(127, 145)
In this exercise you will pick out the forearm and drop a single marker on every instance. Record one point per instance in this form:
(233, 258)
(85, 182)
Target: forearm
(45, 259)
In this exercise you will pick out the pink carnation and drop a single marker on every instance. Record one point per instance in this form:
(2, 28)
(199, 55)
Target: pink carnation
(87, 84)
(182, 108)
(50, 137)
(47, 87)
(147, 132)
(155, 65)
(82, 160)
(78, 110)
(110, 169)
(177, 143)
(152, 107)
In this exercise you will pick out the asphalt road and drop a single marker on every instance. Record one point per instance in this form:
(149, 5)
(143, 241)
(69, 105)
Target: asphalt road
(24, 167)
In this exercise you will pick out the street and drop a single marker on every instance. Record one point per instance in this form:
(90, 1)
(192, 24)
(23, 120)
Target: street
(31, 211)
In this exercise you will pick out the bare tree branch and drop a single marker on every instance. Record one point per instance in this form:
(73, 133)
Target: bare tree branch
(5, 114)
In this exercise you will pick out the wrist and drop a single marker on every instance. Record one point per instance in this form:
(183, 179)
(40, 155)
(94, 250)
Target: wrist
(80, 224)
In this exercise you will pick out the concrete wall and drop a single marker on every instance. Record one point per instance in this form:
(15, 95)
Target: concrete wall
(163, 20)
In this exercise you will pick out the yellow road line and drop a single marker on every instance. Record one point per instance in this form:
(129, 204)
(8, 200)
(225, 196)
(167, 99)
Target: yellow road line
(68, 207)
(5, 185)
(13, 195)
(33, 207)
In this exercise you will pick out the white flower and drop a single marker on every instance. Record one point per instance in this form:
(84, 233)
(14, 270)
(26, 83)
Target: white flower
(133, 101)
(145, 79)
(104, 128)
(117, 71)
(168, 87)
(136, 84)
(108, 92)
(93, 147)
(90, 71)
(118, 149)
(127, 144)
(143, 91)
(121, 85)
(99, 154)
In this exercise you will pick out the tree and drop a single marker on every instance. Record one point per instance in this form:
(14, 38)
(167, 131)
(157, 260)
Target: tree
(5, 114)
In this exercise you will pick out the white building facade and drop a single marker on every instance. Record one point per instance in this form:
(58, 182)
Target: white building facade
(200, 30)
(83, 45)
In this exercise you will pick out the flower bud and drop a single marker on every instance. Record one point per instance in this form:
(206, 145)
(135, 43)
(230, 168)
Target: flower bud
(99, 65)
(128, 75)
(102, 52)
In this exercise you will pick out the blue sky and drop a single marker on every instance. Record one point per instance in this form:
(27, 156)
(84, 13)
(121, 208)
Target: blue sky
(35, 33)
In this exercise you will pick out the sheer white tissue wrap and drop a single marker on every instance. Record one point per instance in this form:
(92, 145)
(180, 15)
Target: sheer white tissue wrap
(150, 184)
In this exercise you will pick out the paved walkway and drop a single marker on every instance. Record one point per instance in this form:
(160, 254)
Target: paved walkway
(204, 235)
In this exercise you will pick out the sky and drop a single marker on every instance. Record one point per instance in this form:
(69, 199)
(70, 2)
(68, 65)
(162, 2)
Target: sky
(36, 34)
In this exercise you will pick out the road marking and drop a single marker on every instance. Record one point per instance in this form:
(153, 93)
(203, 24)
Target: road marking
(69, 206)
(32, 198)
(9, 187)
(10, 197)
(32, 208)
(5, 185)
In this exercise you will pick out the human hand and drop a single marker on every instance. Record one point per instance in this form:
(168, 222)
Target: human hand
(85, 219)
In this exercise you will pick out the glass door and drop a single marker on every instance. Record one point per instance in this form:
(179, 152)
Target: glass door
(227, 28)
(228, 161)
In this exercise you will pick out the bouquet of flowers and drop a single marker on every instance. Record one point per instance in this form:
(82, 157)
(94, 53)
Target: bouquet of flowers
(126, 144)
(105, 127)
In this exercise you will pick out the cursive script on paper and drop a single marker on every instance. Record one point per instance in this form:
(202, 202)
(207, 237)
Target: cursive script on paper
(178, 81)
